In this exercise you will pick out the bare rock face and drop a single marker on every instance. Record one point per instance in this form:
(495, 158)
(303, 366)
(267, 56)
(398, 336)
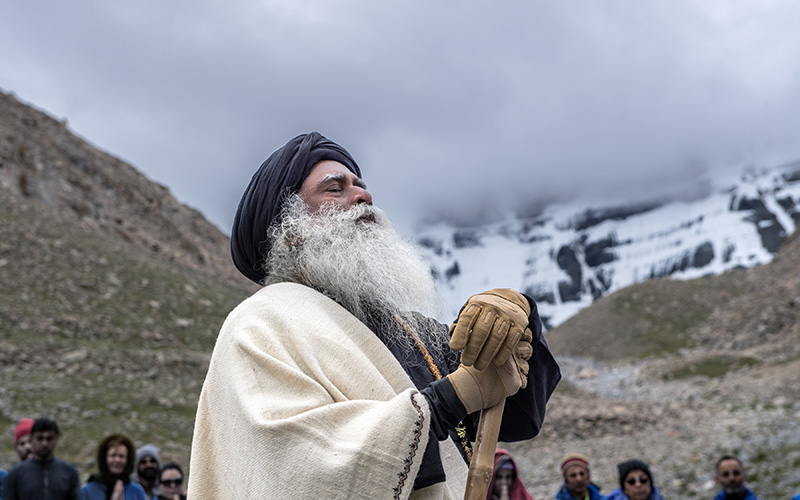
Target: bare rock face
(567, 258)
(41, 159)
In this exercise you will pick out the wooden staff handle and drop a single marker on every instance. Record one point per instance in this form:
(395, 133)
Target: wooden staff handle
(481, 468)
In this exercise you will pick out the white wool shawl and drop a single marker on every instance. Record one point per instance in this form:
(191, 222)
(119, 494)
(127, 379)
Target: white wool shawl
(304, 401)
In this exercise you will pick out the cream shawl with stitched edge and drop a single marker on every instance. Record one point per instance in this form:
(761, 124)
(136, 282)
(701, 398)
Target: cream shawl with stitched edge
(303, 401)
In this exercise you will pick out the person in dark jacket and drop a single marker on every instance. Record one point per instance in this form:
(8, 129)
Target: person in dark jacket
(577, 479)
(44, 476)
(730, 475)
(115, 460)
(636, 482)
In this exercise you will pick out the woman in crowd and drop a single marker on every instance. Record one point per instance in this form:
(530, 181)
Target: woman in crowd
(171, 482)
(115, 458)
(636, 482)
(506, 484)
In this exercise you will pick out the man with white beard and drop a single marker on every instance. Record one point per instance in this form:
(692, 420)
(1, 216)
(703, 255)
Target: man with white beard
(330, 382)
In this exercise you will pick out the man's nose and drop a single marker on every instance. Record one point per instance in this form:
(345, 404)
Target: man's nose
(361, 195)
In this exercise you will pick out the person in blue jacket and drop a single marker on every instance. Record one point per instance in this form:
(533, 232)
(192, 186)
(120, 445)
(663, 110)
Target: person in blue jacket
(578, 483)
(636, 482)
(3, 475)
(731, 477)
(115, 459)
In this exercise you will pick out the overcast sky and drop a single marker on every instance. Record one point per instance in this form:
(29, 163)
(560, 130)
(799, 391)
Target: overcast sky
(461, 106)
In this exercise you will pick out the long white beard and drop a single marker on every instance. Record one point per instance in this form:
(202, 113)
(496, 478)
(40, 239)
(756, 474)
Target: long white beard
(364, 265)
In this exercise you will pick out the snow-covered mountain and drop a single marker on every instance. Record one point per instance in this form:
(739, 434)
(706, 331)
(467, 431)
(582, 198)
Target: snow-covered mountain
(568, 256)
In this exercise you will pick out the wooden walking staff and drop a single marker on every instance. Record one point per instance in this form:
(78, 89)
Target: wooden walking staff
(481, 468)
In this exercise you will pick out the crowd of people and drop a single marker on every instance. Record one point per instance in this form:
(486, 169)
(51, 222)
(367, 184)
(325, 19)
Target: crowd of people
(123, 471)
(128, 473)
(636, 480)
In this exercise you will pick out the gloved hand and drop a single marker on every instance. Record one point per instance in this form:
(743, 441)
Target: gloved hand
(479, 389)
(489, 326)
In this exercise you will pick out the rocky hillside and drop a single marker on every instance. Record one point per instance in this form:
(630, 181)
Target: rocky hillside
(113, 293)
(40, 159)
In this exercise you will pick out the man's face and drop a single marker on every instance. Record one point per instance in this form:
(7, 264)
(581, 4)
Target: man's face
(577, 479)
(23, 447)
(355, 257)
(332, 183)
(116, 459)
(730, 475)
(148, 468)
(44, 444)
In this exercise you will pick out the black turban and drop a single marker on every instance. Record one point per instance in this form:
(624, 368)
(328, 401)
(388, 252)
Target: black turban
(279, 177)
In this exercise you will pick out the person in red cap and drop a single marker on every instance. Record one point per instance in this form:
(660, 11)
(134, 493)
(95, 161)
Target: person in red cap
(22, 445)
(578, 483)
(22, 438)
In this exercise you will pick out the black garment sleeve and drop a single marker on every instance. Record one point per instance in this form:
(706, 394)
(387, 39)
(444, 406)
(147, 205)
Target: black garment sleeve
(446, 409)
(446, 412)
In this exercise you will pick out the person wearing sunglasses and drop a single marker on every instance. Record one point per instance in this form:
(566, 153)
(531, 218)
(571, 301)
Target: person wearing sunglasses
(171, 482)
(115, 459)
(731, 477)
(636, 482)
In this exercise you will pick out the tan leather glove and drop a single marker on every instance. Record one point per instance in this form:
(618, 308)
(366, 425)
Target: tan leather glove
(479, 389)
(489, 326)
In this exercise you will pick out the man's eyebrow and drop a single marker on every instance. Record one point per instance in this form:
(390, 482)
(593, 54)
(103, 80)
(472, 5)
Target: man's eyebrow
(331, 177)
(340, 177)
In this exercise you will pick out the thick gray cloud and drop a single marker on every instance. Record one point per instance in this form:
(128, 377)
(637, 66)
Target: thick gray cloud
(450, 107)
